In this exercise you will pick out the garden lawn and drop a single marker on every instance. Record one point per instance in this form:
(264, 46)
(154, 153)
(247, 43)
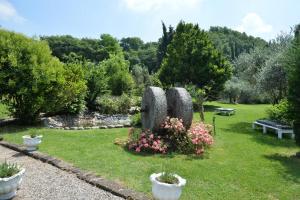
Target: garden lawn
(242, 164)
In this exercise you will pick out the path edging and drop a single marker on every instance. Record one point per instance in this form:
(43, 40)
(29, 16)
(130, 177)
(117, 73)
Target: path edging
(86, 176)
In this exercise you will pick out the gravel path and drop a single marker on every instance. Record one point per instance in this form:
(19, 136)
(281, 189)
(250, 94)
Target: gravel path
(44, 181)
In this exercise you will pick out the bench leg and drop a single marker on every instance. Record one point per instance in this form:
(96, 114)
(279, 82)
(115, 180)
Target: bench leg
(253, 126)
(279, 134)
(264, 130)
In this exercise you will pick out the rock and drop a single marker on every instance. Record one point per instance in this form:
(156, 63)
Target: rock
(80, 128)
(154, 108)
(95, 127)
(67, 128)
(74, 128)
(127, 125)
(119, 126)
(180, 105)
(103, 127)
(111, 126)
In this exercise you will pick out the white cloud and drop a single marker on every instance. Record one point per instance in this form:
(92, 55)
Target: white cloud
(253, 24)
(8, 12)
(156, 5)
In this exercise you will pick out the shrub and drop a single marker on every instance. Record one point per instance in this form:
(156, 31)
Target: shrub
(136, 120)
(280, 112)
(173, 137)
(108, 104)
(33, 81)
(117, 70)
(146, 142)
(8, 170)
(201, 138)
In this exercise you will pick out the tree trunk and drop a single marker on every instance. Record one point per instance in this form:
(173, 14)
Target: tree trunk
(201, 111)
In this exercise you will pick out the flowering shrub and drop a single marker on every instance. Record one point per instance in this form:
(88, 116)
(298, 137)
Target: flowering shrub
(172, 137)
(147, 142)
(175, 134)
(200, 137)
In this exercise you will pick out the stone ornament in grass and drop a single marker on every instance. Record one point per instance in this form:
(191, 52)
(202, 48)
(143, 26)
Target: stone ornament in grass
(32, 141)
(10, 180)
(180, 105)
(167, 186)
(154, 108)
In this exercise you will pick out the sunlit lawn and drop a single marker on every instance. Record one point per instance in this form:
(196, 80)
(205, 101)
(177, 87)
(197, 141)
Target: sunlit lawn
(242, 164)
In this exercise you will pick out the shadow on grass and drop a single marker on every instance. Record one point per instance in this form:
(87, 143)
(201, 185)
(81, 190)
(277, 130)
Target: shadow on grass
(291, 165)
(147, 154)
(11, 129)
(210, 108)
(257, 135)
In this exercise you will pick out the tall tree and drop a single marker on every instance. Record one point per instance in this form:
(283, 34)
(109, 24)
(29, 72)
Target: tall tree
(293, 64)
(164, 41)
(192, 59)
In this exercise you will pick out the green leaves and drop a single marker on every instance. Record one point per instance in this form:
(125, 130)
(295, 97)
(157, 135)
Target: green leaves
(33, 81)
(192, 59)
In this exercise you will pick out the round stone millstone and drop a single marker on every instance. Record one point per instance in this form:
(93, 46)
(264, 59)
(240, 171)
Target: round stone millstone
(180, 105)
(154, 108)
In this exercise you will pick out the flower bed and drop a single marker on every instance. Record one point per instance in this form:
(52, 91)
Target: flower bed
(172, 137)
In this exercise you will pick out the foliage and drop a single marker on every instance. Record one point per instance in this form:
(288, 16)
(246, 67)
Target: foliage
(146, 142)
(194, 140)
(280, 112)
(168, 178)
(260, 75)
(192, 59)
(201, 137)
(164, 41)
(94, 50)
(273, 80)
(117, 70)
(293, 66)
(4, 113)
(108, 104)
(136, 120)
(74, 89)
(199, 97)
(232, 90)
(232, 43)
(32, 81)
(96, 83)
(8, 170)
(172, 137)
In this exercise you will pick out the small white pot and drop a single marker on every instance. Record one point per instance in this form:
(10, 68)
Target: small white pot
(9, 186)
(165, 191)
(32, 143)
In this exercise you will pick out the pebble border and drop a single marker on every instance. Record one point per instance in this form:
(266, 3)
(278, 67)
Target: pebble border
(86, 176)
(91, 127)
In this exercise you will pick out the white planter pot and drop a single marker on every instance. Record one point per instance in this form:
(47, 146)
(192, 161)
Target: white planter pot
(32, 143)
(9, 186)
(164, 191)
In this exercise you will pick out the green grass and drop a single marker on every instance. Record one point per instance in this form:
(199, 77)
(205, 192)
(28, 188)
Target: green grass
(242, 164)
(3, 111)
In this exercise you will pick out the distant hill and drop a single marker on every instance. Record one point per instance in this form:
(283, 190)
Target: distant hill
(232, 43)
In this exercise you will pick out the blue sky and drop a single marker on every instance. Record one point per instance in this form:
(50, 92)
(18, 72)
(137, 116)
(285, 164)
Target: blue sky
(142, 18)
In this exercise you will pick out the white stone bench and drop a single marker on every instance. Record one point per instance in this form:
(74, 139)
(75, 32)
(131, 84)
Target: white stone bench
(226, 111)
(278, 130)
